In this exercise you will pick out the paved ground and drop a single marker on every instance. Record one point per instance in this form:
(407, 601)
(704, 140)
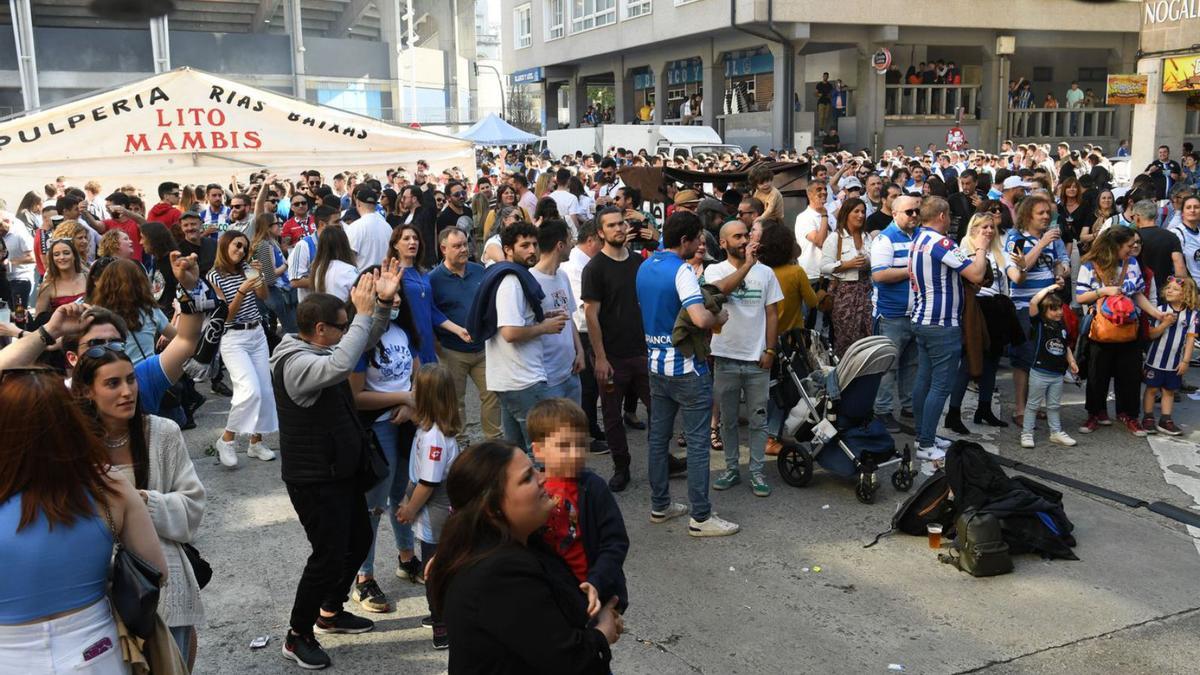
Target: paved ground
(754, 603)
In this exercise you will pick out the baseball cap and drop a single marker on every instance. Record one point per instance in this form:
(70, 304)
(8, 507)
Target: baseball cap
(366, 195)
(850, 183)
(1014, 182)
(686, 197)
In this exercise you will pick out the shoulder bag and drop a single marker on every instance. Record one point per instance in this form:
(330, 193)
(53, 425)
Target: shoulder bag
(133, 586)
(1104, 329)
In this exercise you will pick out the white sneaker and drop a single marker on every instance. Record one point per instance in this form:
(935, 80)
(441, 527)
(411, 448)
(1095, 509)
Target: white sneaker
(673, 511)
(942, 443)
(929, 468)
(715, 526)
(1061, 438)
(930, 454)
(260, 451)
(1027, 440)
(227, 452)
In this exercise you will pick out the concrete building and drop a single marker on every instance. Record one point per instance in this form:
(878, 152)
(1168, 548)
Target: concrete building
(774, 52)
(352, 54)
(1170, 59)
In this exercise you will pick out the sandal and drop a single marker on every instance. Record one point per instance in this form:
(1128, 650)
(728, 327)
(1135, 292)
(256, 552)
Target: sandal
(715, 437)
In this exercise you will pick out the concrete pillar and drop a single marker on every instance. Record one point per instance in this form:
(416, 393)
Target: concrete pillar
(1160, 121)
(660, 91)
(469, 51)
(550, 105)
(991, 90)
(295, 27)
(390, 25)
(713, 82)
(22, 21)
(782, 120)
(577, 101)
(160, 43)
(869, 104)
(624, 111)
(1123, 60)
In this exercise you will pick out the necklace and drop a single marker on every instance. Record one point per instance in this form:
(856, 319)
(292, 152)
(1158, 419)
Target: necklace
(114, 443)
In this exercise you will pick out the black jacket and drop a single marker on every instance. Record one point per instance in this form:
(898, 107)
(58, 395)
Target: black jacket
(481, 319)
(605, 541)
(425, 219)
(520, 610)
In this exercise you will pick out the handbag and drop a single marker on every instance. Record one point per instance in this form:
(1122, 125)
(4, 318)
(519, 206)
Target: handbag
(374, 465)
(1106, 330)
(133, 586)
(200, 566)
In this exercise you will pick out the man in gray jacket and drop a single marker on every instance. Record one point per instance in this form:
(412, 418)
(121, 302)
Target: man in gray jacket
(323, 449)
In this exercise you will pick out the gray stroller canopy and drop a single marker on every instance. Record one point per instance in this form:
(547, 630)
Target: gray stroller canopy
(868, 356)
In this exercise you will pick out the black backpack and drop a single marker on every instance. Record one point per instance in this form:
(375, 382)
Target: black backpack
(981, 546)
(930, 503)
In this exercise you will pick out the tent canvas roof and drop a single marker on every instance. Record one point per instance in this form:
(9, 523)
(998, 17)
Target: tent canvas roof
(492, 130)
(190, 126)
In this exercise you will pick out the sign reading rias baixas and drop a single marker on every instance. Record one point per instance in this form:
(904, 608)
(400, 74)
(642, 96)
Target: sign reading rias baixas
(1170, 11)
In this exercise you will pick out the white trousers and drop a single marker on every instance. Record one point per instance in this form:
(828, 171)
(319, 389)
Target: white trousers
(83, 642)
(252, 410)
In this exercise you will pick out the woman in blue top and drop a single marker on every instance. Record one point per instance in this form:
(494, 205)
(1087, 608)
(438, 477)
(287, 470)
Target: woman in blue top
(55, 535)
(407, 247)
(124, 289)
(281, 299)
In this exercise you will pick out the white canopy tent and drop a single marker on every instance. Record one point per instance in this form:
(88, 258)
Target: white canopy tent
(189, 126)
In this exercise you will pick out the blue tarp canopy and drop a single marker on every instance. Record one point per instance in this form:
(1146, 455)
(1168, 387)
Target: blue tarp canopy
(492, 130)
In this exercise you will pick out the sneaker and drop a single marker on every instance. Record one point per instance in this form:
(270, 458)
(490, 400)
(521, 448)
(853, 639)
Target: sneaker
(369, 596)
(1103, 420)
(728, 479)
(1169, 427)
(343, 622)
(1061, 438)
(889, 423)
(758, 485)
(221, 389)
(676, 466)
(1090, 425)
(260, 451)
(411, 570)
(1148, 424)
(713, 526)
(1132, 426)
(227, 452)
(619, 480)
(1026, 440)
(942, 443)
(441, 637)
(427, 621)
(905, 412)
(305, 651)
(934, 454)
(633, 422)
(672, 511)
(599, 447)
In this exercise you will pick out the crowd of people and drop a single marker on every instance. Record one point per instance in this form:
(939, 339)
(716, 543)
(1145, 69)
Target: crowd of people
(348, 312)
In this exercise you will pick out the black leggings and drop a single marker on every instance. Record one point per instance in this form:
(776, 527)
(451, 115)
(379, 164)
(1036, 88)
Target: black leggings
(1120, 362)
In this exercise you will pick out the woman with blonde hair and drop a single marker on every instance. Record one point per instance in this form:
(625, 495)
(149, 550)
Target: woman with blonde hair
(999, 317)
(115, 244)
(75, 232)
(281, 298)
(65, 280)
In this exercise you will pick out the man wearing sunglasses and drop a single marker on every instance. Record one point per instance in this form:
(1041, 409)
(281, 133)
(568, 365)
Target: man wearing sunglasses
(893, 307)
(166, 211)
(300, 225)
(455, 214)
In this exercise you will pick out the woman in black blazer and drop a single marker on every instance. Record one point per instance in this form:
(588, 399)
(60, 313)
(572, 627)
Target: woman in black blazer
(510, 605)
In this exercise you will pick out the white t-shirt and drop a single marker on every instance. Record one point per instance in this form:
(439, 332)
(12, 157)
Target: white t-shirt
(19, 243)
(568, 207)
(744, 336)
(513, 366)
(494, 239)
(558, 349)
(430, 460)
(369, 237)
(810, 254)
(576, 261)
(395, 369)
(339, 279)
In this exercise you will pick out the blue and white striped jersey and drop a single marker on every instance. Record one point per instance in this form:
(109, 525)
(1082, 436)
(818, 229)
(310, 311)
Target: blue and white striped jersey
(933, 269)
(890, 251)
(1041, 274)
(1166, 351)
(665, 285)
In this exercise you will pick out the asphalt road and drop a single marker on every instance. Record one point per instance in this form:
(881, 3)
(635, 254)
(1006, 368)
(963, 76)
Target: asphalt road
(755, 602)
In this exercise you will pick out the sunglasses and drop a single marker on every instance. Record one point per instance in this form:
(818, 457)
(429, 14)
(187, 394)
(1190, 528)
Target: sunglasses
(343, 327)
(911, 213)
(746, 213)
(304, 204)
(242, 206)
(239, 246)
(460, 195)
(97, 347)
(996, 209)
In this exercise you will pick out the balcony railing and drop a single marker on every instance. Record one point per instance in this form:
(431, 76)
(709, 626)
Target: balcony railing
(1060, 123)
(931, 101)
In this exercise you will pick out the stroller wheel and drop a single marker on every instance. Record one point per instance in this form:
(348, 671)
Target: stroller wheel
(866, 489)
(795, 465)
(902, 480)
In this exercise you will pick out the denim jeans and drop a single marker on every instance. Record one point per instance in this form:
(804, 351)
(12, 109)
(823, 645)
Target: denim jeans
(691, 394)
(514, 406)
(900, 332)
(938, 352)
(283, 305)
(730, 379)
(570, 389)
(987, 381)
(183, 639)
(383, 499)
(1044, 388)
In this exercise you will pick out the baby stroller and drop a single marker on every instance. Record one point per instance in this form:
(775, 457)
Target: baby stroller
(833, 419)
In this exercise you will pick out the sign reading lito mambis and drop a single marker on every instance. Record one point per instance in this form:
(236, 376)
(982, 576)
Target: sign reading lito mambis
(1126, 89)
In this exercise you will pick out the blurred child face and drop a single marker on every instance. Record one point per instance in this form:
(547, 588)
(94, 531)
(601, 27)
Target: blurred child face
(563, 453)
(1054, 314)
(1173, 292)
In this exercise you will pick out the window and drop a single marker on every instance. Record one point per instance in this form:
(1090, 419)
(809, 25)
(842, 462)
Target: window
(556, 19)
(636, 8)
(589, 14)
(684, 2)
(1043, 74)
(523, 26)
(1093, 74)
